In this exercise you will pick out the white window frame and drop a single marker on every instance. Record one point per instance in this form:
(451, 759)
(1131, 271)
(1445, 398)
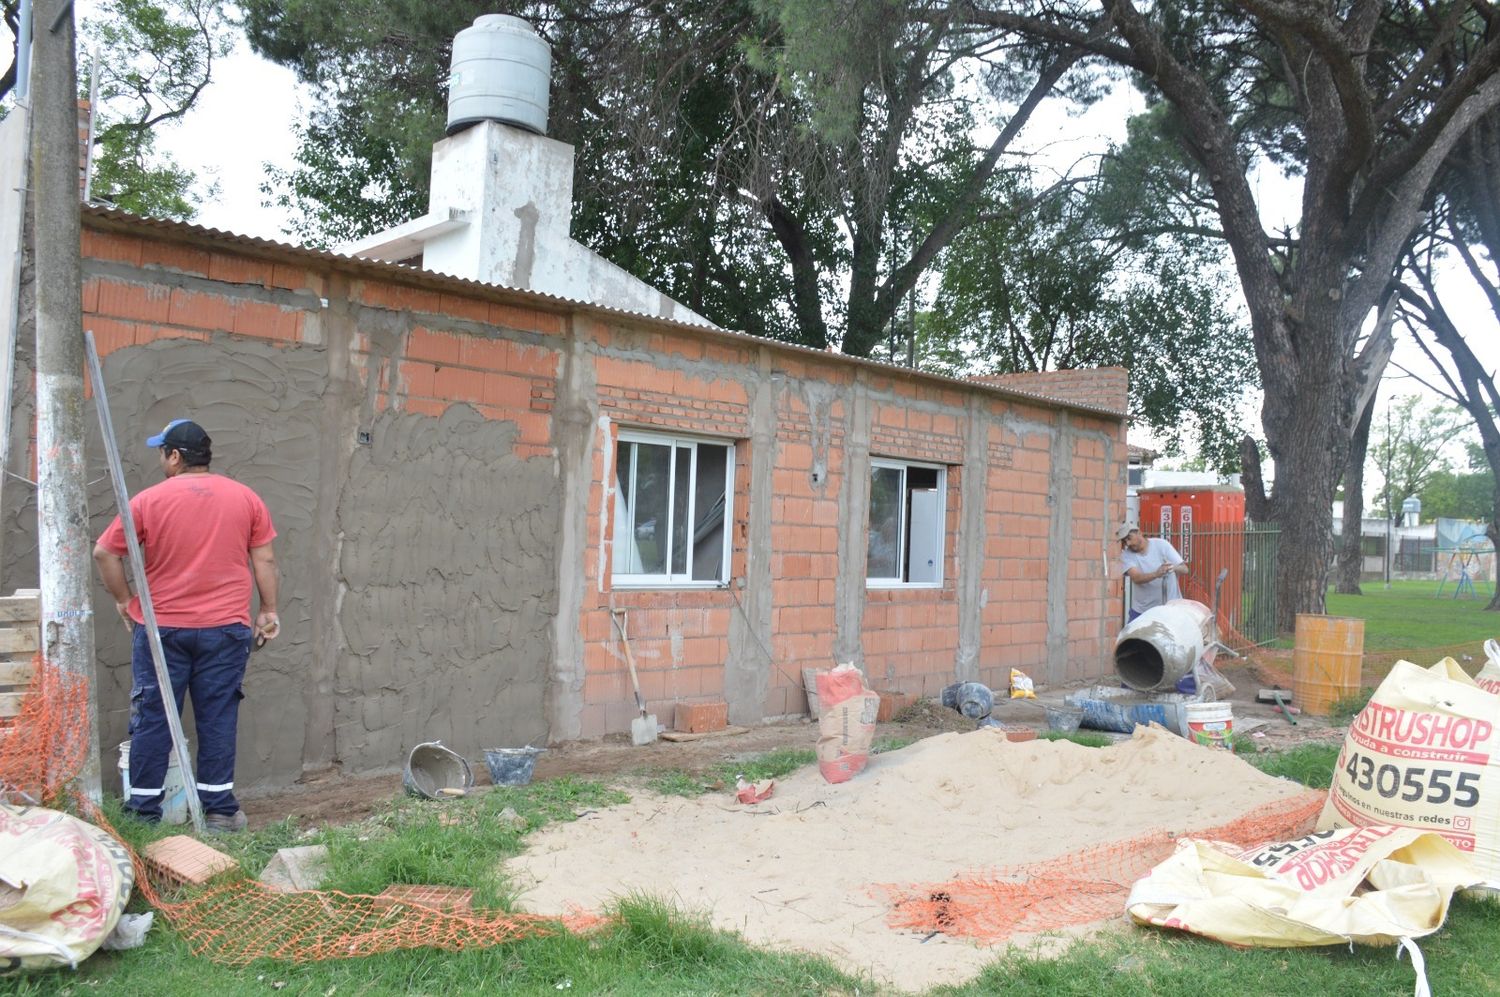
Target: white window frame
(904, 540)
(671, 441)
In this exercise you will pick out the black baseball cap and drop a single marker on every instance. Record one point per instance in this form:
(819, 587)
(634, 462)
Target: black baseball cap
(181, 434)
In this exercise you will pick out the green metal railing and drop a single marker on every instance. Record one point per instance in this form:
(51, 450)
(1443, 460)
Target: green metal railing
(1247, 600)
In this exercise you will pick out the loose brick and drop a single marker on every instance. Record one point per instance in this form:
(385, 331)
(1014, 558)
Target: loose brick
(699, 718)
(187, 860)
(892, 703)
(1019, 734)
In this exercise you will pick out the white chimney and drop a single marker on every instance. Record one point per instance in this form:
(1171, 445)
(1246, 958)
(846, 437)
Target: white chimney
(501, 198)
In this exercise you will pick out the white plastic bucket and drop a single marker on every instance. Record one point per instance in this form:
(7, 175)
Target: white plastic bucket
(1210, 724)
(174, 804)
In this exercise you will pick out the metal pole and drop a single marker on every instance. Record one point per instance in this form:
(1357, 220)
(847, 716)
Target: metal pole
(88, 148)
(23, 54)
(138, 569)
(66, 564)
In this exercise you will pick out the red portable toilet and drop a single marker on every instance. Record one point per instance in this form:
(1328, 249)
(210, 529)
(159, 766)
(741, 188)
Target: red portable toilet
(1206, 523)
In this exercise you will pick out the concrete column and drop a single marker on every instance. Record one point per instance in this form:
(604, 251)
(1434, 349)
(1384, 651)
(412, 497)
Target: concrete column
(747, 673)
(974, 490)
(1059, 547)
(340, 418)
(573, 431)
(854, 505)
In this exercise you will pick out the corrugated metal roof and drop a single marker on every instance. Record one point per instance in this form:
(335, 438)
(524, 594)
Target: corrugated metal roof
(107, 219)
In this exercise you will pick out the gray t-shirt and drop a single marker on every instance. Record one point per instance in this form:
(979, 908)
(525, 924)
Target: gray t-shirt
(1149, 595)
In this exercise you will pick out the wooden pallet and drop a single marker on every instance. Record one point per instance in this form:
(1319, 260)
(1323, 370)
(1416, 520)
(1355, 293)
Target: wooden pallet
(20, 638)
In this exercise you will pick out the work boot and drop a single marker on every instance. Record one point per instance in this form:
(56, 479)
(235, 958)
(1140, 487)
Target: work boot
(225, 823)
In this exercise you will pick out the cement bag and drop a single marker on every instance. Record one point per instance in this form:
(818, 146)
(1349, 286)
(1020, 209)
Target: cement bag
(1373, 885)
(63, 887)
(847, 727)
(1423, 755)
(1488, 678)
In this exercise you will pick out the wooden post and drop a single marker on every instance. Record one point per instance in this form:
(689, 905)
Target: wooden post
(63, 540)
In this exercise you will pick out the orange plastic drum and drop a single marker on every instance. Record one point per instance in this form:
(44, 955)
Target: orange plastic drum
(1326, 662)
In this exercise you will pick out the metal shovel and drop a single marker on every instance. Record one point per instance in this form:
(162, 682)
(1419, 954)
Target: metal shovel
(643, 727)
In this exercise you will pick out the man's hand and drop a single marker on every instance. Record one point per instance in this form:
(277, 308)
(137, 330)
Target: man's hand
(123, 608)
(267, 626)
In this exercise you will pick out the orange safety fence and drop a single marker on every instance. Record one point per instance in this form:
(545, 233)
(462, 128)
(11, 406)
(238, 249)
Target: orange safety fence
(1079, 888)
(234, 922)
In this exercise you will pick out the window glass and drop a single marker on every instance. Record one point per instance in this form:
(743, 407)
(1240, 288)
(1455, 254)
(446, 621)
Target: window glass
(907, 524)
(885, 522)
(671, 504)
(709, 502)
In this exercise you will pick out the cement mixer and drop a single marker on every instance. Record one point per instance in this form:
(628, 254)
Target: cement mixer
(1162, 645)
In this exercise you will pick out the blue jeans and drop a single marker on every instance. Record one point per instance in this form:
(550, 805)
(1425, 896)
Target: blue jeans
(210, 663)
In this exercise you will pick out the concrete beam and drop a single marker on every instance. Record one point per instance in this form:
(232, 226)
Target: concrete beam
(406, 240)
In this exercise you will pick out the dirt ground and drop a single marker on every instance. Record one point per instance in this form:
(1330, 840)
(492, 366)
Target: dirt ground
(344, 799)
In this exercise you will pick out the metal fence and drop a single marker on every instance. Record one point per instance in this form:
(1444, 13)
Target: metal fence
(1247, 599)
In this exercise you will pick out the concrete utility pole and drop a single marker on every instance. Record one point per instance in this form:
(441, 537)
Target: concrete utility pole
(63, 540)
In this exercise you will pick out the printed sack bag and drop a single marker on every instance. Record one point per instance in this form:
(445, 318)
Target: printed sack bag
(1488, 678)
(1372, 885)
(847, 727)
(63, 887)
(1423, 755)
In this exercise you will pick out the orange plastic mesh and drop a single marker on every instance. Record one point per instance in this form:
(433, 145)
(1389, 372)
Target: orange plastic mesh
(234, 922)
(1091, 885)
(45, 744)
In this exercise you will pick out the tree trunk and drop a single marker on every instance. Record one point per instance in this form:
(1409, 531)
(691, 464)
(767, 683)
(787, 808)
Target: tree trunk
(1351, 556)
(807, 302)
(1307, 416)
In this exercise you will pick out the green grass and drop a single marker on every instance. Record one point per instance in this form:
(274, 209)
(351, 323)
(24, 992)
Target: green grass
(1309, 764)
(651, 948)
(1412, 616)
(756, 768)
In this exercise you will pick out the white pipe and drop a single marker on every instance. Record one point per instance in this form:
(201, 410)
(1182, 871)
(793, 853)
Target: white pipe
(88, 149)
(23, 55)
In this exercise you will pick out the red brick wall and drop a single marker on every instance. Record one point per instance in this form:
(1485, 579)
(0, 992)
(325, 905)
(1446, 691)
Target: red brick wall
(1102, 387)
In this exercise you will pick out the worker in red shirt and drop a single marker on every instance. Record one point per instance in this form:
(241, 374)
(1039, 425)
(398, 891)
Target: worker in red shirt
(204, 538)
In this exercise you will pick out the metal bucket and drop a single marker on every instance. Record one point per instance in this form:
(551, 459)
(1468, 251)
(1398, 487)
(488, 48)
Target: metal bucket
(431, 768)
(511, 766)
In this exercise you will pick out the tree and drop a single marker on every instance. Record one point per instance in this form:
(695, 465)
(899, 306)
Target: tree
(1460, 494)
(1408, 448)
(652, 96)
(1364, 101)
(1467, 212)
(1351, 554)
(1054, 286)
(814, 153)
(155, 58)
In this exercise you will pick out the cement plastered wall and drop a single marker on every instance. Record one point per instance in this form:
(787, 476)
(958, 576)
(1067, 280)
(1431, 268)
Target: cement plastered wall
(417, 549)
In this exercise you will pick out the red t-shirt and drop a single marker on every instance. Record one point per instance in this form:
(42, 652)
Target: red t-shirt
(196, 531)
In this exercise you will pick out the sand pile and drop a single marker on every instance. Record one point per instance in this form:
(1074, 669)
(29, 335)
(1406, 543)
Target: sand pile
(796, 871)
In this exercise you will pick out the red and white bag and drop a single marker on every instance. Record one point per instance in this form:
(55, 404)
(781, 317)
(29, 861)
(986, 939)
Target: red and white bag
(1488, 678)
(847, 727)
(1425, 754)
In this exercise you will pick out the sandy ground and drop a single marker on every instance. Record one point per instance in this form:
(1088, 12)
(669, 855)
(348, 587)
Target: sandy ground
(797, 871)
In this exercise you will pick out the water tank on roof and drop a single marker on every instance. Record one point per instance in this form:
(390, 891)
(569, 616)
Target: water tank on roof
(501, 72)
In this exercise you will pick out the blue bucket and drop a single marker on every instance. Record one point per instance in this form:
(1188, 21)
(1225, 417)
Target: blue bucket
(511, 766)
